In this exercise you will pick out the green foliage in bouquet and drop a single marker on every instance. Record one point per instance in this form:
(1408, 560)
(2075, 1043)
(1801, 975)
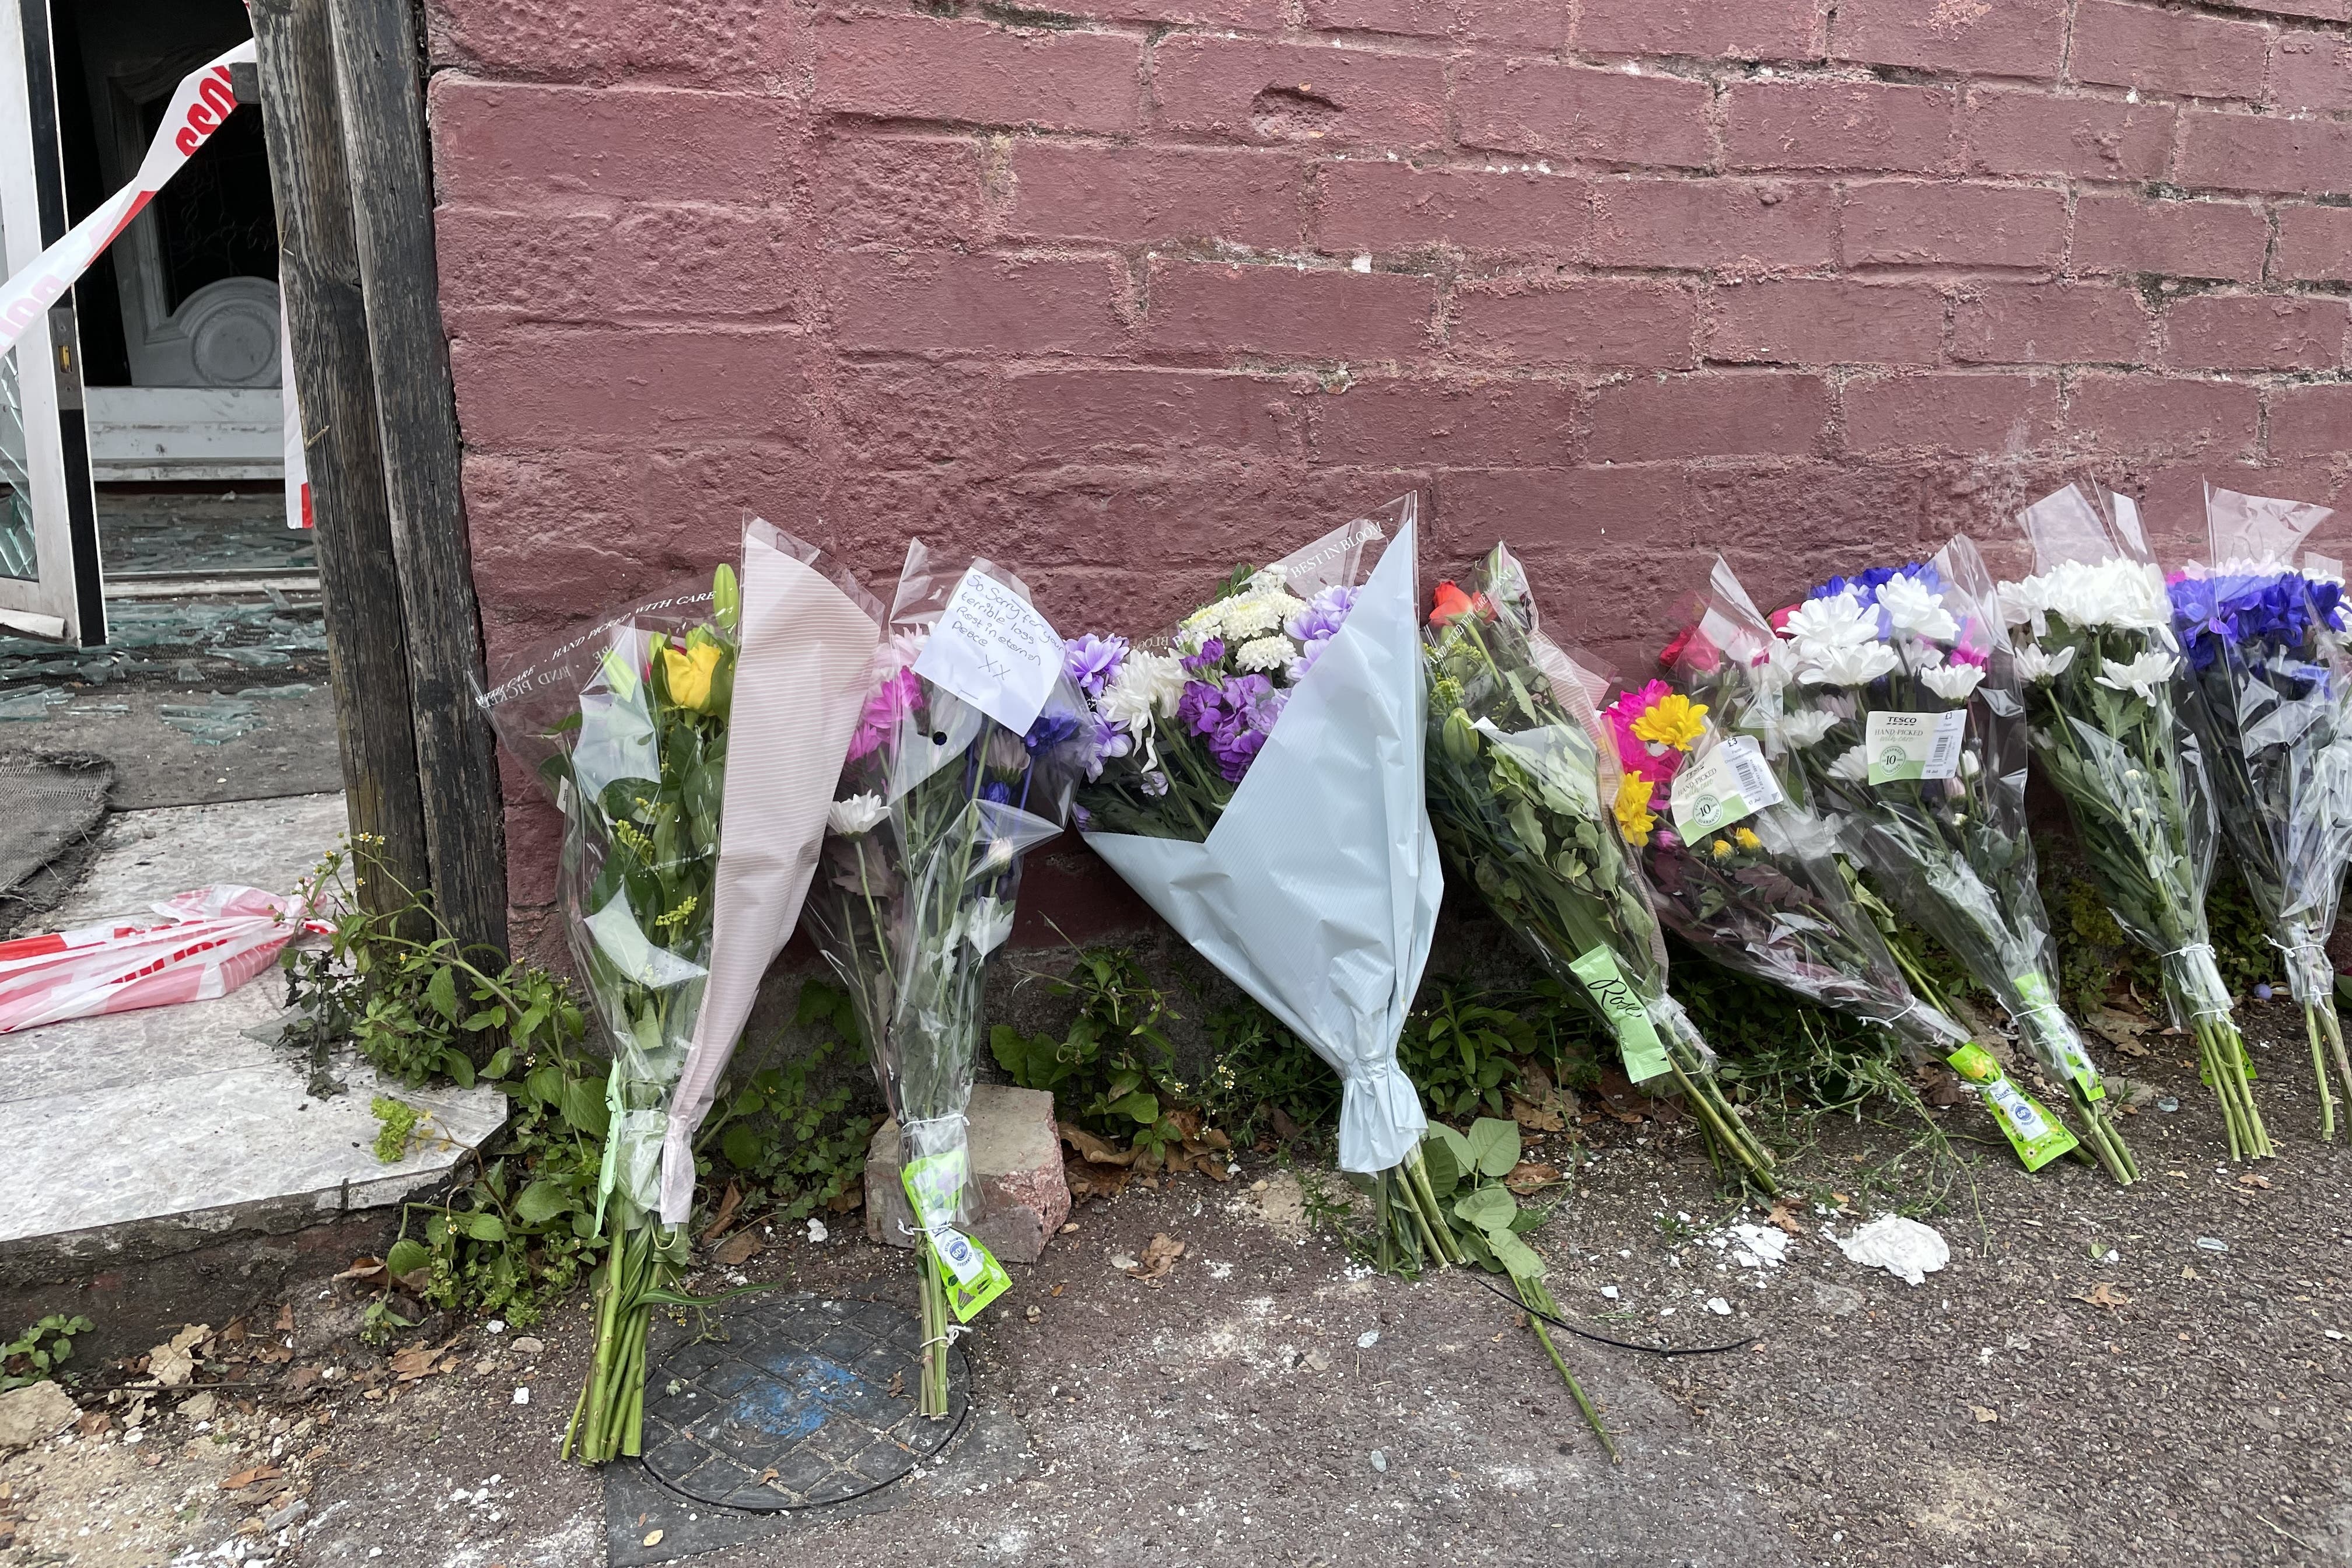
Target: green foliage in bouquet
(1523, 805)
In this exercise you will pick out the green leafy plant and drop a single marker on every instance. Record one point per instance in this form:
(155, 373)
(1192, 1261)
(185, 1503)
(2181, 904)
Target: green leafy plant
(419, 1007)
(396, 1123)
(1264, 1079)
(522, 1231)
(1459, 1043)
(34, 1355)
(1113, 1071)
(794, 1147)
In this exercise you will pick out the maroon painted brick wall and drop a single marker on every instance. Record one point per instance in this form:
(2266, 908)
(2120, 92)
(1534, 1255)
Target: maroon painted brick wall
(1124, 294)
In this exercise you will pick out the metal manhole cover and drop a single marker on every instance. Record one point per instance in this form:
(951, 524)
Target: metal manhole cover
(789, 1404)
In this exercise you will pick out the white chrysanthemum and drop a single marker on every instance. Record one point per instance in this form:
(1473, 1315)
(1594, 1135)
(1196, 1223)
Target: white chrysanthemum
(857, 814)
(1952, 682)
(1266, 652)
(1841, 620)
(2126, 594)
(1147, 686)
(1806, 728)
(1255, 615)
(1851, 665)
(1911, 606)
(2142, 675)
(1208, 621)
(2035, 663)
(1854, 767)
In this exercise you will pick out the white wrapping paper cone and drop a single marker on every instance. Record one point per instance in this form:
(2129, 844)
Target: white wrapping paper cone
(804, 663)
(1316, 892)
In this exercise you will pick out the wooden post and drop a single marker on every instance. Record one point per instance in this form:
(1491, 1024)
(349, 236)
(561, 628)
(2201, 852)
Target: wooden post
(457, 755)
(359, 577)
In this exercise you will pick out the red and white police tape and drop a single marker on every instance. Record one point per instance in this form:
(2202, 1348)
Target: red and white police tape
(205, 97)
(209, 942)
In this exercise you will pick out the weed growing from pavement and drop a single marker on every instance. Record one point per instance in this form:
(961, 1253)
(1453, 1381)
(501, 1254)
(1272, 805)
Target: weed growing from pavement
(39, 1352)
(395, 1125)
(789, 1146)
(395, 981)
(1113, 1071)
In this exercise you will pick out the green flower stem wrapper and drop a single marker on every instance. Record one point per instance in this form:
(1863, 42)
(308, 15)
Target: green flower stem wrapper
(2036, 1135)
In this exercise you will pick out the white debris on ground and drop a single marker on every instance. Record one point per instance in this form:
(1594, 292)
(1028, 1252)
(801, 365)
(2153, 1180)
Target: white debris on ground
(1752, 1245)
(1904, 1248)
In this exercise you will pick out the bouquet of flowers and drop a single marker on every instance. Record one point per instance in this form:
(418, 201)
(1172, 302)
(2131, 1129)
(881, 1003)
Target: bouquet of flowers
(1753, 877)
(1260, 786)
(1530, 804)
(1898, 706)
(2267, 670)
(2098, 690)
(691, 829)
(964, 758)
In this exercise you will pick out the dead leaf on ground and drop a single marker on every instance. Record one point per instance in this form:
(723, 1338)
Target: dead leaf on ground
(1784, 1214)
(1284, 1127)
(2255, 1179)
(1536, 1118)
(94, 1424)
(1091, 1181)
(2103, 1294)
(173, 1363)
(739, 1249)
(417, 1361)
(850, 1197)
(363, 1270)
(725, 1216)
(897, 1389)
(1981, 1413)
(1094, 1150)
(246, 1477)
(1526, 1176)
(1159, 1257)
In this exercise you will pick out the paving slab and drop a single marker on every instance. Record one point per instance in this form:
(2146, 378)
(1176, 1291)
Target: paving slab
(151, 1132)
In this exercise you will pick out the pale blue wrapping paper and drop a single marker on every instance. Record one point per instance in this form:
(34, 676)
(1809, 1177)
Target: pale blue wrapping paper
(1316, 892)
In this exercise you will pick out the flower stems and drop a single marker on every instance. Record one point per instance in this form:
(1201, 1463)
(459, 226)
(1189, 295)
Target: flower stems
(608, 1419)
(2320, 1022)
(1537, 1301)
(931, 1397)
(2221, 1055)
(2103, 1138)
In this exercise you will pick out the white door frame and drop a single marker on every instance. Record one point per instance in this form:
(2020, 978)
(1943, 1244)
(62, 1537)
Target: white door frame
(48, 376)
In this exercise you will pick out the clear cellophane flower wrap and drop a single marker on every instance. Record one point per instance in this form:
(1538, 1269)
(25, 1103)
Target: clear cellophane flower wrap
(634, 728)
(2100, 661)
(1916, 661)
(1262, 790)
(1750, 874)
(1531, 807)
(2270, 697)
(937, 804)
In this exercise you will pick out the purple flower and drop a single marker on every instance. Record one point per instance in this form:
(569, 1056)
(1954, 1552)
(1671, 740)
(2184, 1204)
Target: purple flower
(1212, 654)
(1227, 718)
(1050, 731)
(1107, 741)
(1091, 661)
(1325, 614)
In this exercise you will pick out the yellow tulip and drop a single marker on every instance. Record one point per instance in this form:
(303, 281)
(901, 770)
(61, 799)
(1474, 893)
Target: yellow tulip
(688, 672)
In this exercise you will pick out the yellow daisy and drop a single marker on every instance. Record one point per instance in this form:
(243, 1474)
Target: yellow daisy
(1674, 720)
(1747, 839)
(1632, 808)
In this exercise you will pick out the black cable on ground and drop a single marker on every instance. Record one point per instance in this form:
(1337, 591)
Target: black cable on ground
(1604, 1339)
